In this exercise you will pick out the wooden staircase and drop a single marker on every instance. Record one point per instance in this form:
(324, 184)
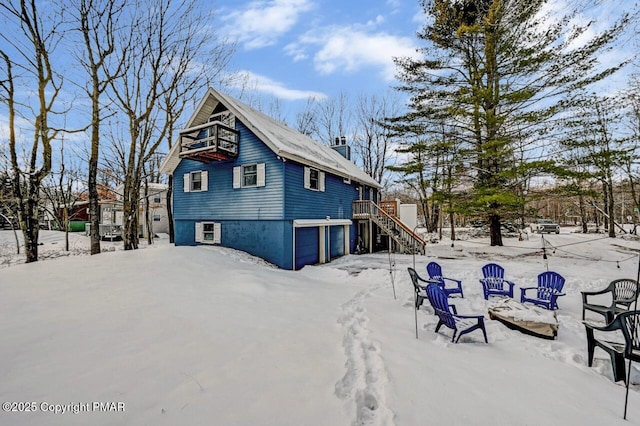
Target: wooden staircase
(406, 240)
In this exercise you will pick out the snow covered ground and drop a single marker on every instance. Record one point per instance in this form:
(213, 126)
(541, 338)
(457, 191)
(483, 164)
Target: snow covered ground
(211, 336)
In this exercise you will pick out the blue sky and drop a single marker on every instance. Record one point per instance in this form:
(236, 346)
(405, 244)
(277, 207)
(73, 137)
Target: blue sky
(292, 49)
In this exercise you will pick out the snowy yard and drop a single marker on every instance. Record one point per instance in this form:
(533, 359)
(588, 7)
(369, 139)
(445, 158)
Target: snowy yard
(211, 336)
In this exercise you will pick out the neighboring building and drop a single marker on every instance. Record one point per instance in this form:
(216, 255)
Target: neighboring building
(158, 214)
(111, 212)
(245, 181)
(156, 197)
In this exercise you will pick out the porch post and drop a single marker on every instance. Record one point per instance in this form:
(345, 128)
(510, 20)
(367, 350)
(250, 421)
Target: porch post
(347, 237)
(322, 244)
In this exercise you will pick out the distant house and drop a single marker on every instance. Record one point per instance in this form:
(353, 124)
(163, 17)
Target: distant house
(156, 199)
(111, 212)
(245, 181)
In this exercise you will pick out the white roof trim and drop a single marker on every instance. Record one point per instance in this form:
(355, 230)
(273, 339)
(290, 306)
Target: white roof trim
(306, 223)
(172, 160)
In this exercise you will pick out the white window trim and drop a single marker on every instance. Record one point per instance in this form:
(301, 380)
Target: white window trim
(199, 232)
(238, 176)
(307, 179)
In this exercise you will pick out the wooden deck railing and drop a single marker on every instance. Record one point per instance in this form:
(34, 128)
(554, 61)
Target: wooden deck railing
(211, 140)
(390, 224)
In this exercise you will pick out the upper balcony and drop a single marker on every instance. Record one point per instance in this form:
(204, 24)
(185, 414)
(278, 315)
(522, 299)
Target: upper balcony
(208, 142)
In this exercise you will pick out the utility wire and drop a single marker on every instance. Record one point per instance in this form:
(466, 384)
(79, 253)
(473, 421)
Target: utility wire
(547, 245)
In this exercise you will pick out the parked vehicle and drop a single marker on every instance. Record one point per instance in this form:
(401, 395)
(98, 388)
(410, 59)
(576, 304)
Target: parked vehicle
(541, 226)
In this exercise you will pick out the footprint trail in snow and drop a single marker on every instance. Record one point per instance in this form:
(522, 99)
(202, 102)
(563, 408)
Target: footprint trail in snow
(363, 386)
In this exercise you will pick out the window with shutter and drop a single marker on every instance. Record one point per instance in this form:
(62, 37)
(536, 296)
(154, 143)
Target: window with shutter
(208, 232)
(196, 181)
(313, 179)
(249, 175)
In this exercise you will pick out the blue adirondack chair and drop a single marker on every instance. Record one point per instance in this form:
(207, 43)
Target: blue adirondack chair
(435, 273)
(448, 315)
(548, 290)
(494, 283)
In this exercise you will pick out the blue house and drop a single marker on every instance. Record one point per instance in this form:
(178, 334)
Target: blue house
(245, 181)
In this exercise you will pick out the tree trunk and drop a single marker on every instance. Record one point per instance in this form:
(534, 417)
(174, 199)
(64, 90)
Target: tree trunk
(130, 236)
(435, 216)
(605, 201)
(494, 230)
(170, 209)
(634, 197)
(583, 214)
(452, 225)
(94, 206)
(147, 213)
(610, 210)
(30, 225)
(66, 228)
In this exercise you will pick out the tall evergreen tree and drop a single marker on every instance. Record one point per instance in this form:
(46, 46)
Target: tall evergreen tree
(497, 70)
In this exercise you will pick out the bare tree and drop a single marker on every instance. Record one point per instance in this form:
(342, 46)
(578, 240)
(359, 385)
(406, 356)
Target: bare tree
(33, 41)
(97, 21)
(159, 50)
(61, 191)
(373, 141)
(630, 160)
(306, 119)
(8, 205)
(333, 120)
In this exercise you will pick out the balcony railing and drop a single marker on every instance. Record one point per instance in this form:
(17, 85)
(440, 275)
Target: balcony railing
(209, 142)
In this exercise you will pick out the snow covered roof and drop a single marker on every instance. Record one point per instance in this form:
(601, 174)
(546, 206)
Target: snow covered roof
(281, 139)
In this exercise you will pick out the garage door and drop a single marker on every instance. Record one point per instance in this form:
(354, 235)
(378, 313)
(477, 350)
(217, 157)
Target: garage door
(307, 241)
(337, 241)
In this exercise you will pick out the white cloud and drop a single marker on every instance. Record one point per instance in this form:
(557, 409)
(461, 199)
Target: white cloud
(261, 23)
(352, 48)
(262, 84)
